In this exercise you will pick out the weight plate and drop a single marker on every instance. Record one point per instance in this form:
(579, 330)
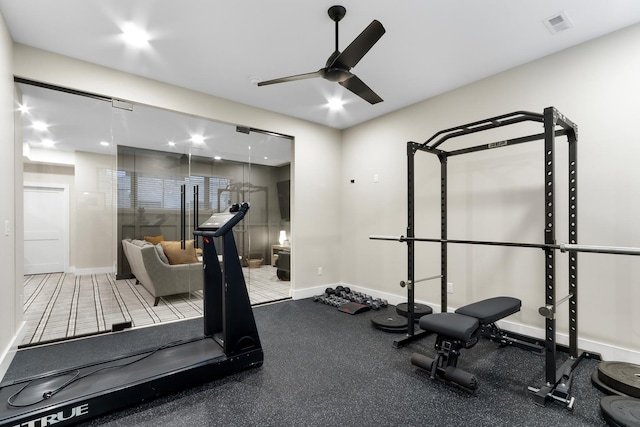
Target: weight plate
(597, 382)
(390, 323)
(621, 411)
(419, 310)
(621, 376)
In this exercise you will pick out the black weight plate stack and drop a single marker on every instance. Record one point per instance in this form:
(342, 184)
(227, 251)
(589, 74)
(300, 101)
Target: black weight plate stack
(621, 376)
(419, 310)
(619, 411)
(390, 323)
(597, 382)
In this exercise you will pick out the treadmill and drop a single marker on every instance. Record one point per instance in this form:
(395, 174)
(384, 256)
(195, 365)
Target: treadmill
(230, 343)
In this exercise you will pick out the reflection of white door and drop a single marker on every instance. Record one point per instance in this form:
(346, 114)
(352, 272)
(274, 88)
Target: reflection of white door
(45, 229)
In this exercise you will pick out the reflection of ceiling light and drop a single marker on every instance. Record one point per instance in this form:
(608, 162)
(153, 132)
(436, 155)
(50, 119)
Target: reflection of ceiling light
(217, 158)
(104, 143)
(41, 126)
(197, 139)
(48, 143)
(134, 36)
(335, 104)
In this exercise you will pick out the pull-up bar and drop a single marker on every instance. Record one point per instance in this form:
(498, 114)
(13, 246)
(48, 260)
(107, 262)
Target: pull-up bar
(563, 247)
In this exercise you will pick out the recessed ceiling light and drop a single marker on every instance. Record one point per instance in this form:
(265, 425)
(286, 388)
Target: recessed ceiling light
(172, 144)
(335, 104)
(23, 108)
(197, 139)
(134, 35)
(104, 143)
(41, 126)
(217, 158)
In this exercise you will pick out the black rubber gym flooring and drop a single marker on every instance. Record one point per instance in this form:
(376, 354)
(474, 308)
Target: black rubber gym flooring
(322, 368)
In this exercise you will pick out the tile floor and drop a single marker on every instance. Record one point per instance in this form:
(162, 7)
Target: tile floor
(59, 306)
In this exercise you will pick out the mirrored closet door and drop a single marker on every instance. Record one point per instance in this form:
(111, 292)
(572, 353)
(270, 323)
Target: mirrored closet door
(113, 192)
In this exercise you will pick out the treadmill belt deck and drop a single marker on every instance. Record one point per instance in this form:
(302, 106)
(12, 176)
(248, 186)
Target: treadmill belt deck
(92, 381)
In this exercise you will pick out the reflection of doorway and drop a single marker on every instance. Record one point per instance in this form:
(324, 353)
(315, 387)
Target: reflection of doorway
(46, 229)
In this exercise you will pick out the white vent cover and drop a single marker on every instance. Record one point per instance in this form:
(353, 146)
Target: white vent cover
(558, 22)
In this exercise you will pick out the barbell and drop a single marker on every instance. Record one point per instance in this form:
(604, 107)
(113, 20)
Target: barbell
(563, 247)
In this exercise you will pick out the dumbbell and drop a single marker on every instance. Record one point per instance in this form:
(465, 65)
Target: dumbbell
(381, 302)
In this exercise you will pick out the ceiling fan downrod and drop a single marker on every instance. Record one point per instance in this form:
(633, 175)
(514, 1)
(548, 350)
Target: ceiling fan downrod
(336, 13)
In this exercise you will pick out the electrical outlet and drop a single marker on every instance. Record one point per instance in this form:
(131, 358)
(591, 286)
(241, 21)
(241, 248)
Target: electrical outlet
(319, 271)
(449, 288)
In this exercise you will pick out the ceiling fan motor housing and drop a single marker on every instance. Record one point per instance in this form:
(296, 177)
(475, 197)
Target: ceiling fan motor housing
(336, 74)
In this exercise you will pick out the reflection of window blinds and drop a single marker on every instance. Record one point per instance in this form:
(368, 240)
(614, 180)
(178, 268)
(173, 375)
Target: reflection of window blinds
(152, 191)
(214, 185)
(157, 192)
(125, 192)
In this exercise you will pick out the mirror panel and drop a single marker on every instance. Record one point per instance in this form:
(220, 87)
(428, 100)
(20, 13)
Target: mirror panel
(132, 189)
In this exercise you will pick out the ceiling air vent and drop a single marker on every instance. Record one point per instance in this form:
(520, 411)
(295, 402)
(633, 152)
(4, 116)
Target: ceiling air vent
(558, 22)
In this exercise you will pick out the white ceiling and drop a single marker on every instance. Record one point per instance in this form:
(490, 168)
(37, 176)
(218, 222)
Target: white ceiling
(217, 47)
(82, 123)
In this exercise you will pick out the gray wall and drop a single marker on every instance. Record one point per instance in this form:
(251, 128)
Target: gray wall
(11, 241)
(498, 194)
(494, 195)
(316, 152)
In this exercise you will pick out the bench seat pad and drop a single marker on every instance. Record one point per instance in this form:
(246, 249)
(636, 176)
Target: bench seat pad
(492, 309)
(450, 325)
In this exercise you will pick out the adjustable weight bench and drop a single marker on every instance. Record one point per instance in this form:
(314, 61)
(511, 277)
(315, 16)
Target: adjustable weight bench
(462, 329)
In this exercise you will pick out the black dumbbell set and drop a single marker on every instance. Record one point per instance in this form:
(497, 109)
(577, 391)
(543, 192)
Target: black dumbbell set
(341, 296)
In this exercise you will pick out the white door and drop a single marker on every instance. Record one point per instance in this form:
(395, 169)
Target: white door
(45, 229)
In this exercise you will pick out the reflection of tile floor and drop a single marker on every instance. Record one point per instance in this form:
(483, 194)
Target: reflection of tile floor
(264, 285)
(61, 306)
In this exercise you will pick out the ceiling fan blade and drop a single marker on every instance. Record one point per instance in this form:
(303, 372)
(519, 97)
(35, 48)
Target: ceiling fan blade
(360, 46)
(357, 86)
(292, 78)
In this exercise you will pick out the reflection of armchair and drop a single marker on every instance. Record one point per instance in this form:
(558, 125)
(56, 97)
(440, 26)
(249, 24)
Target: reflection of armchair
(157, 276)
(283, 264)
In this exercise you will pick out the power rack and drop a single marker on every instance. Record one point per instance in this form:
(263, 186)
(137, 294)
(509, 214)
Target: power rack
(557, 380)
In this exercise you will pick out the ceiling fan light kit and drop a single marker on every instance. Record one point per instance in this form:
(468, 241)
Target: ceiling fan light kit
(338, 66)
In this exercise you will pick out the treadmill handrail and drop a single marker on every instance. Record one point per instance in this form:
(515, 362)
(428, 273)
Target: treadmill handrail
(242, 211)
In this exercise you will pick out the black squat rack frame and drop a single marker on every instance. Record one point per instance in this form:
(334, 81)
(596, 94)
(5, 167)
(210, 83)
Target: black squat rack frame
(558, 381)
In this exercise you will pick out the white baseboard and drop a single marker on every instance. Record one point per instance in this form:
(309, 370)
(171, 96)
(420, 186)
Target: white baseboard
(605, 350)
(309, 292)
(89, 271)
(8, 354)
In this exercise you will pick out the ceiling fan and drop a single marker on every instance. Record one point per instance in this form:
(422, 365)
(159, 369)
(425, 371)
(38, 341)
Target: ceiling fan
(339, 64)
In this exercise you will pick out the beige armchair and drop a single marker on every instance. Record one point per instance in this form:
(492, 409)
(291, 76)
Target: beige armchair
(157, 275)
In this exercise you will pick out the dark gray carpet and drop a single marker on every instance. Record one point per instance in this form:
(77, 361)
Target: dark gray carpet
(323, 367)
